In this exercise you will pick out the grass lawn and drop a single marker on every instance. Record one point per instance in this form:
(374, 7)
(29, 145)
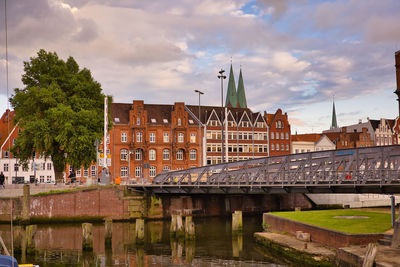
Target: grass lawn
(376, 222)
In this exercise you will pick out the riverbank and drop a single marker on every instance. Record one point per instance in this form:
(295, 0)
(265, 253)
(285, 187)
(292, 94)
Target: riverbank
(314, 254)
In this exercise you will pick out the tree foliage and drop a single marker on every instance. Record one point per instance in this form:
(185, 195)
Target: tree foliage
(60, 111)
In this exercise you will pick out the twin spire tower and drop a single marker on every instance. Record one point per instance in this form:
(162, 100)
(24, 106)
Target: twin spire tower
(235, 98)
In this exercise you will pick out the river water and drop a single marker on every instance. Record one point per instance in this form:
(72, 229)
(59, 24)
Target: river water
(60, 245)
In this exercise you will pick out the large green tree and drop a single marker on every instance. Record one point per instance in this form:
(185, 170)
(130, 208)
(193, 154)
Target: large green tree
(60, 111)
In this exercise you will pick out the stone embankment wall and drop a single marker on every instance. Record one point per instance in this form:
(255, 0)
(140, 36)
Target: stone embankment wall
(119, 203)
(324, 236)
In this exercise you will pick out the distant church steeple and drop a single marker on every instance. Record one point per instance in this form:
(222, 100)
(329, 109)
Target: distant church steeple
(334, 122)
(231, 95)
(241, 95)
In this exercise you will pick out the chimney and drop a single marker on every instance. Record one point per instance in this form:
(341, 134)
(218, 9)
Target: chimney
(397, 65)
(359, 121)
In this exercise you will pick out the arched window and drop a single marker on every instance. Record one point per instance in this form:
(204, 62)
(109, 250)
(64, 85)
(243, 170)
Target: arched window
(138, 154)
(179, 155)
(124, 154)
(152, 171)
(179, 122)
(193, 154)
(138, 171)
(165, 154)
(124, 171)
(180, 137)
(139, 137)
(152, 154)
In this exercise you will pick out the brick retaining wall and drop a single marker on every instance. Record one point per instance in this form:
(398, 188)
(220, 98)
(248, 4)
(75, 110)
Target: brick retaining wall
(321, 235)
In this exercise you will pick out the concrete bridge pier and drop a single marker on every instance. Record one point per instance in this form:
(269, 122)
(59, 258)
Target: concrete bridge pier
(177, 228)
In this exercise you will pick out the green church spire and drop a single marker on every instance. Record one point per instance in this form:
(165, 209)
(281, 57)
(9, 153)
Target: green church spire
(334, 122)
(231, 96)
(241, 96)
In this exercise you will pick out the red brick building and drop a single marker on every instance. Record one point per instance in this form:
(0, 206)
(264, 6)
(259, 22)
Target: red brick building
(279, 133)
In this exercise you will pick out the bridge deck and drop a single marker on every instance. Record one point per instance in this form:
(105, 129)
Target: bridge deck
(359, 170)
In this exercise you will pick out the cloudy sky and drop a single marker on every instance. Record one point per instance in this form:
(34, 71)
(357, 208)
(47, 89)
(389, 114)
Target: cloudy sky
(295, 54)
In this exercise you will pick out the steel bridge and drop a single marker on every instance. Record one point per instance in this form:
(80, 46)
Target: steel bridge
(358, 170)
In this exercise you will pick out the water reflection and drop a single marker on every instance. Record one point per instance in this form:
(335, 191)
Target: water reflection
(214, 245)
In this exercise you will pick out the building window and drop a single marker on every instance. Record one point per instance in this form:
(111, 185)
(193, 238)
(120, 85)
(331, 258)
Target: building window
(124, 137)
(42, 178)
(277, 147)
(138, 154)
(93, 171)
(124, 171)
(6, 154)
(179, 155)
(272, 136)
(48, 178)
(272, 147)
(152, 154)
(138, 171)
(152, 171)
(138, 121)
(192, 154)
(287, 136)
(124, 154)
(287, 147)
(78, 173)
(152, 137)
(165, 154)
(192, 138)
(282, 147)
(282, 136)
(179, 122)
(108, 139)
(16, 167)
(166, 168)
(139, 137)
(85, 172)
(180, 137)
(49, 166)
(166, 137)
(5, 167)
(279, 125)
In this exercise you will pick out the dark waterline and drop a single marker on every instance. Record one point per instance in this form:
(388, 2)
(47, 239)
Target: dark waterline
(60, 245)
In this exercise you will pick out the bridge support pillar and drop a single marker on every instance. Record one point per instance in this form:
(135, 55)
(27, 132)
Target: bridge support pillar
(237, 221)
(108, 233)
(189, 228)
(139, 231)
(87, 237)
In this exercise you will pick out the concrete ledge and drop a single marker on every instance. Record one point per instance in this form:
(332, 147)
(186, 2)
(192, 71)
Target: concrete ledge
(318, 234)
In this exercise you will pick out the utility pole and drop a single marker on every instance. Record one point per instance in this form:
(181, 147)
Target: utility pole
(200, 93)
(222, 77)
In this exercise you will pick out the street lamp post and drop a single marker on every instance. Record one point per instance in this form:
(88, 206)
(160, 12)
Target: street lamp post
(222, 77)
(200, 154)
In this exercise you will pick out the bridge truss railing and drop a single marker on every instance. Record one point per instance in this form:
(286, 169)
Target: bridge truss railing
(370, 165)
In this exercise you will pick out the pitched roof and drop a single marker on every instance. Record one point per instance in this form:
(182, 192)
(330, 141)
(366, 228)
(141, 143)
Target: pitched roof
(314, 137)
(231, 95)
(241, 95)
(375, 124)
